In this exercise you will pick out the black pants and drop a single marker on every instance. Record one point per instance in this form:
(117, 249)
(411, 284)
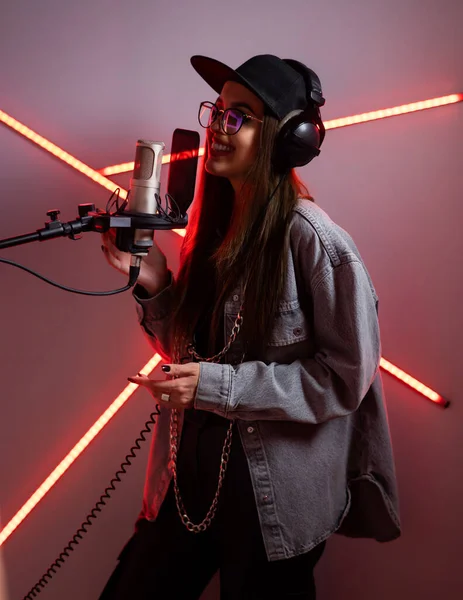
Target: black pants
(163, 560)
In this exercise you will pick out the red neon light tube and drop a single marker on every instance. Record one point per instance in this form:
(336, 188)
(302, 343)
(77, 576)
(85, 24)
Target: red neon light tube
(336, 123)
(394, 112)
(67, 461)
(416, 385)
(60, 153)
(66, 157)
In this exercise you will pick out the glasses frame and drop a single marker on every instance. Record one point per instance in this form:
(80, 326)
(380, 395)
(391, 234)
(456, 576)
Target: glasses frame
(220, 115)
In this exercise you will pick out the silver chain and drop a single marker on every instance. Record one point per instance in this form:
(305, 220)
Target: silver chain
(174, 443)
(217, 357)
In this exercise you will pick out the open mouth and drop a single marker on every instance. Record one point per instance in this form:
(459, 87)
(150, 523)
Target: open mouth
(217, 149)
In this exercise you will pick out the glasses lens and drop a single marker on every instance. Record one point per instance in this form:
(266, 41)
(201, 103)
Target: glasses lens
(232, 121)
(207, 114)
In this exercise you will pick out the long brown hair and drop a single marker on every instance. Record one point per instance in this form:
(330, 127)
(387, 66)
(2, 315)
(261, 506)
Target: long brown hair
(225, 244)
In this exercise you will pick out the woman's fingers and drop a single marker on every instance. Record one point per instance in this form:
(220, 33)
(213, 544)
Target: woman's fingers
(117, 259)
(108, 239)
(172, 392)
(110, 234)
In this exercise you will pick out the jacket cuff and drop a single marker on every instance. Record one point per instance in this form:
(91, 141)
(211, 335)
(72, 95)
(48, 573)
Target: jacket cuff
(153, 308)
(214, 388)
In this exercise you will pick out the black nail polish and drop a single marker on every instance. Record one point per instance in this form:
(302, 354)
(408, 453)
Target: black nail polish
(165, 368)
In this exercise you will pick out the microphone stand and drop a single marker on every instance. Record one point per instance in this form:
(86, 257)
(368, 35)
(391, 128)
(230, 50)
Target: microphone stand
(91, 219)
(55, 228)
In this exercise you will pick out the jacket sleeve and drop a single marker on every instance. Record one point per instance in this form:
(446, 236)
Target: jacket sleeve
(154, 317)
(313, 390)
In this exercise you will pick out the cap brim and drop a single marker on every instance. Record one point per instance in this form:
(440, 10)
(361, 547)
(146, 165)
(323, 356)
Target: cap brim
(216, 74)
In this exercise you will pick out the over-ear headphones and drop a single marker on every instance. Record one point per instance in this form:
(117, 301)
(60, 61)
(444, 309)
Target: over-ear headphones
(301, 132)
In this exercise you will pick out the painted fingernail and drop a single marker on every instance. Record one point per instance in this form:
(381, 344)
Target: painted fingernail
(166, 368)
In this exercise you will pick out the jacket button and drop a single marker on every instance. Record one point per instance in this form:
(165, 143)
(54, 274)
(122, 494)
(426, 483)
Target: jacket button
(297, 331)
(236, 298)
(250, 429)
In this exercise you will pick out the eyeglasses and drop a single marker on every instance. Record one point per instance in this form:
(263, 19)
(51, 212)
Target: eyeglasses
(231, 119)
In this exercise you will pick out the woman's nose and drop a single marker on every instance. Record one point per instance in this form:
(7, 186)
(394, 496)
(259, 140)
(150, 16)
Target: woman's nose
(215, 125)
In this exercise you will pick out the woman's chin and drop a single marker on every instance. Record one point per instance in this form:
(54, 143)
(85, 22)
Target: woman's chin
(213, 167)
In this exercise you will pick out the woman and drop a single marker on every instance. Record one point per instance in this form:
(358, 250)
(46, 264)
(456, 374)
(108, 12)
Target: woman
(273, 433)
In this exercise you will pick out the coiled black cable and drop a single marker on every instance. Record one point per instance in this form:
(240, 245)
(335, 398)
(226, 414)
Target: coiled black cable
(44, 580)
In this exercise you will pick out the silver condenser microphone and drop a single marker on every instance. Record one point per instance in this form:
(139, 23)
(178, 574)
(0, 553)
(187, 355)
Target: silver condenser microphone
(143, 199)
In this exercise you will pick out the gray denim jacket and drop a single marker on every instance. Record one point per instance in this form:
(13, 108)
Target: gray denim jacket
(310, 412)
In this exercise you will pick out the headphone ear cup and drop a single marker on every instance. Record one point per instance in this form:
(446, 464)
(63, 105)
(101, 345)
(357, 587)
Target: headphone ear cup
(297, 142)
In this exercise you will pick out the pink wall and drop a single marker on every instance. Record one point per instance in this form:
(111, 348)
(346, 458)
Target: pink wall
(93, 77)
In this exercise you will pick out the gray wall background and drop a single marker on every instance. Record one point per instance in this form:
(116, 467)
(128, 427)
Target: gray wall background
(93, 77)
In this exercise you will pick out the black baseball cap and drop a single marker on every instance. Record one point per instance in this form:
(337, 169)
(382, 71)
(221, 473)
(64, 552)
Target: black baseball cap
(281, 87)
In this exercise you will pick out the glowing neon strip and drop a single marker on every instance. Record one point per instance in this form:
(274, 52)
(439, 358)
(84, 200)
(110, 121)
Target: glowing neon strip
(67, 158)
(120, 401)
(166, 159)
(64, 465)
(60, 153)
(413, 383)
(122, 168)
(333, 124)
(394, 112)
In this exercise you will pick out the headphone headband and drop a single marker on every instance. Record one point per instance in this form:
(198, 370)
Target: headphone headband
(312, 81)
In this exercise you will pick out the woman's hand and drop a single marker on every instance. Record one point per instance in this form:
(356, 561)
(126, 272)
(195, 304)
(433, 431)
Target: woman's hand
(153, 276)
(178, 392)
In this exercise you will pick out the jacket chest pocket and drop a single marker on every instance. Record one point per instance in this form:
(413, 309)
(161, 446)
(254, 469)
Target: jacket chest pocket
(290, 325)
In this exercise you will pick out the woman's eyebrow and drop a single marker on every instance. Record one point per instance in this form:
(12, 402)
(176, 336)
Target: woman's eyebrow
(244, 105)
(219, 102)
